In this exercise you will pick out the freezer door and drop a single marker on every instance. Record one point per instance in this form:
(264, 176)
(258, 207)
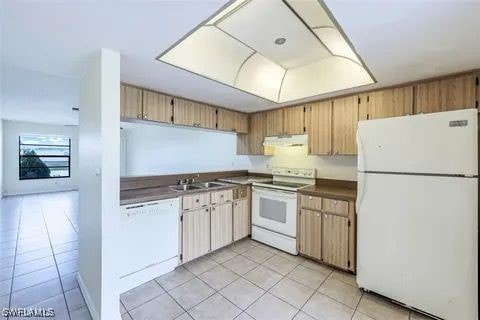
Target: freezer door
(435, 143)
(418, 241)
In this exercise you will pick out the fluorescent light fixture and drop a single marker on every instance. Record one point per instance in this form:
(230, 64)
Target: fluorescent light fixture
(279, 50)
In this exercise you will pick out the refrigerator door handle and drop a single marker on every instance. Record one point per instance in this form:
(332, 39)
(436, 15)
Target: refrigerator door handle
(362, 185)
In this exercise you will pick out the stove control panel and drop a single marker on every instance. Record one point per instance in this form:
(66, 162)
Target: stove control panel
(294, 172)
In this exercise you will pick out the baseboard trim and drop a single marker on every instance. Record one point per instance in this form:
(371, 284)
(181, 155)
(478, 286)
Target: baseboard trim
(37, 192)
(88, 299)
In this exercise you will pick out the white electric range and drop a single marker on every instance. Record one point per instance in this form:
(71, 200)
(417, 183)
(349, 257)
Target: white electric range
(274, 207)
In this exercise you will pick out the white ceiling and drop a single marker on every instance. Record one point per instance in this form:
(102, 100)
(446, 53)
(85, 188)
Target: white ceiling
(399, 41)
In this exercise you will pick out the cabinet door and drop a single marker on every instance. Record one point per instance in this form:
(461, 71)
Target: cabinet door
(184, 112)
(221, 226)
(241, 219)
(207, 115)
(130, 102)
(310, 233)
(335, 240)
(157, 107)
(294, 120)
(446, 94)
(226, 120)
(241, 122)
(195, 234)
(345, 118)
(274, 123)
(386, 103)
(256, 133)
(318, 122)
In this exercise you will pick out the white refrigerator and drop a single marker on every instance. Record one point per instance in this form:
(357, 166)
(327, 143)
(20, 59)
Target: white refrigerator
(417, 208)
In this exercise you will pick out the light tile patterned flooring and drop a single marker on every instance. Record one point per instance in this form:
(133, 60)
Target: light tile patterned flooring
(247, 280)
(38, 254)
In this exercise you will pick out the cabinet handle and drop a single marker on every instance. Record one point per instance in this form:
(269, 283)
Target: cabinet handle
(310, 197)
(197, 200)
(139, 116)
(236, 204)
(213, 209)
(221, 196)
(318, 214)
(206, 210)
(145, 117)
(335, 202)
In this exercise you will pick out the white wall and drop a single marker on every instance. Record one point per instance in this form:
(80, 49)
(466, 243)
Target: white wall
(327, 167)
(164, 149)
(99, 185)
(156, 149)
(11, 182)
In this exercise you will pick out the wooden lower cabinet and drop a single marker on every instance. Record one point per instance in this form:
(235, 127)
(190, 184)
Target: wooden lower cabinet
(195, 233)
(310, 233)
(221, 222)
(327, 233)
(335, 240)
(241, 219)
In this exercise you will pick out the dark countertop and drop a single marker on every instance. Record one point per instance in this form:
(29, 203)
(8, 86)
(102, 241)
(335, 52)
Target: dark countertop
(245, 179)
(159, 193)
(333, 192)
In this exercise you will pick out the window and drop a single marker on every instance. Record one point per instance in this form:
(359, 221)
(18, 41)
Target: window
(43, 157)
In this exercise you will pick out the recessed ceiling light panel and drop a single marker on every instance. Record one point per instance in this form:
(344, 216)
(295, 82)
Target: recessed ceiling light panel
(309, 54)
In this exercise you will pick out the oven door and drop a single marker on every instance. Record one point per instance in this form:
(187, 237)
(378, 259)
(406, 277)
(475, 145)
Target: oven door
(275, 210)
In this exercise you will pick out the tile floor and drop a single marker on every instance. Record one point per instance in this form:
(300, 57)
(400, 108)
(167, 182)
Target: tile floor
(38, 254)
(247, 280)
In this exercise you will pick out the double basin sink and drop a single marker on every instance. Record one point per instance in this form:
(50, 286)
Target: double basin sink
(196, 186)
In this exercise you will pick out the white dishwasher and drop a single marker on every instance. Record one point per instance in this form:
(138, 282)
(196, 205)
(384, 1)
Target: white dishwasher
(149, 241)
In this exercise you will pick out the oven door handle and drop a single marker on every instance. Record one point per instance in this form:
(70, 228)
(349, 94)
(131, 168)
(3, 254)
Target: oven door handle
(273, 191)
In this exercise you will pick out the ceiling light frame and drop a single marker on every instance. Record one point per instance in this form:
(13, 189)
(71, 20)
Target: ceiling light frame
(336, 26)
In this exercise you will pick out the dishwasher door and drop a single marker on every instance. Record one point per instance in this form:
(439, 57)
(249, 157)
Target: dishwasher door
(149, 234)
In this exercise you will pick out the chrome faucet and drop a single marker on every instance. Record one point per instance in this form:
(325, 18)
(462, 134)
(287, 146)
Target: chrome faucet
(194, 178)
(182, 181)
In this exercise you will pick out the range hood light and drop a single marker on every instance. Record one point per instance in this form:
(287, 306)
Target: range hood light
(286, 141)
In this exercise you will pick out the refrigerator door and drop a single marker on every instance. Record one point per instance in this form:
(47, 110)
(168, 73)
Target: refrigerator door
(417, 241)
(435, 143)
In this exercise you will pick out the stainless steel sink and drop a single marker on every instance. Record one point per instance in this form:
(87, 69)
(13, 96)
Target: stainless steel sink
(209, 184)
(184, 187)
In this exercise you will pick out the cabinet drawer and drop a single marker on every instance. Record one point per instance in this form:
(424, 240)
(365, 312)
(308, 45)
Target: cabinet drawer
(311, 202)
(240, 193)
(196, 201)
(335, 206)
(219, 197)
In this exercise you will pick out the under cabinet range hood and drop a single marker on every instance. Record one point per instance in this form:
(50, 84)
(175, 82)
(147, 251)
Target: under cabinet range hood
(279, 50)
(286, 141)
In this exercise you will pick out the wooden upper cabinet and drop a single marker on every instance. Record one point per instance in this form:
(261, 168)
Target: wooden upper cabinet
(256, 135)
(157, 107)
(294, 120)
(274, 123)
(241, 122)
(386, 103)
(229, 120)
(184, 112)
(318, 123)
(131, 102)
(446, 94)
(190, 113)
(225, 120)
(345, 118)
